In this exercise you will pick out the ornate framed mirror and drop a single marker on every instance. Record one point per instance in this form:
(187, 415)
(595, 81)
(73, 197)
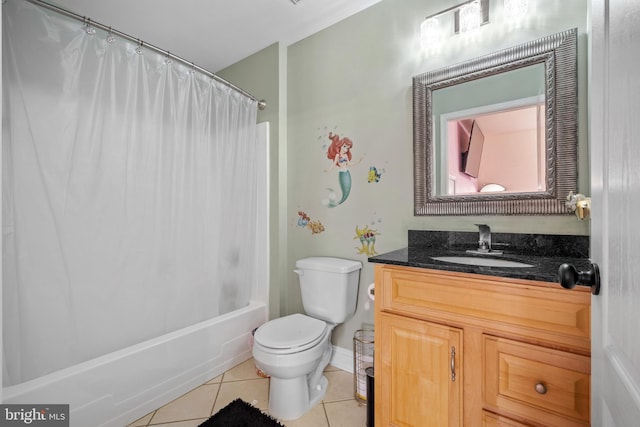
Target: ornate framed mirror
(497, 135)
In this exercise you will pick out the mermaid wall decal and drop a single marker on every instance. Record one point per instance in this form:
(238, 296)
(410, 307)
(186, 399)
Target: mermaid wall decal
(339, 152)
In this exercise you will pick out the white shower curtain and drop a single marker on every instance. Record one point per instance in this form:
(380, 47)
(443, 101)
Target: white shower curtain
(128, 194)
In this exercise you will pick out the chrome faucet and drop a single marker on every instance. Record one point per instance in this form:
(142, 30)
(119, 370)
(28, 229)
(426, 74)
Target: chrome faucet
(484, 242)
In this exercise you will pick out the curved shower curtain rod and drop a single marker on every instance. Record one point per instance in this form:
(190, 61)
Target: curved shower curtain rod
(262, 104)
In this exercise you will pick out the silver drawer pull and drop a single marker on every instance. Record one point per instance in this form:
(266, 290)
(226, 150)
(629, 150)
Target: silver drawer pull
(541, 388)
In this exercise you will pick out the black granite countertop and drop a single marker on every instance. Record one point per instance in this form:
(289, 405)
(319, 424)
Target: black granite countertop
(545, 253)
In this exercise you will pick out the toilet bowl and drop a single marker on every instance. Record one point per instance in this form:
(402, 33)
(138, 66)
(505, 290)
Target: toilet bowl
(294, 350)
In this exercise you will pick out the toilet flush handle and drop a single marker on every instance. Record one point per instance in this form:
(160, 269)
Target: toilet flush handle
(299, 272)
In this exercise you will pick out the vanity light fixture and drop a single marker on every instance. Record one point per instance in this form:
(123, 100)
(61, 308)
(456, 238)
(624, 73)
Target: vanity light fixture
(468, 16)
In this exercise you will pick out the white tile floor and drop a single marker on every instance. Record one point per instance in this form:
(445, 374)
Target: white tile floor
(338, 408)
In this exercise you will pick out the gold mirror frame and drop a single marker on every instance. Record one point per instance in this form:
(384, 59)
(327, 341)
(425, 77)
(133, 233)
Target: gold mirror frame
(558, 52)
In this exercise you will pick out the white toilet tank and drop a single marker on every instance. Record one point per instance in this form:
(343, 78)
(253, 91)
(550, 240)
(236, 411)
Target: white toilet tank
(329, 287)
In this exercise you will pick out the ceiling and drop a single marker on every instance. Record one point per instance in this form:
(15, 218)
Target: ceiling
(214, 34)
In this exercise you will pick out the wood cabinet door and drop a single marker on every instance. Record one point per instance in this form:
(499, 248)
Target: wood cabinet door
(418, 373)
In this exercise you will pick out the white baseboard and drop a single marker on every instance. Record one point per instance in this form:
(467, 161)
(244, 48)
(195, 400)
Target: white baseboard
(342, 359)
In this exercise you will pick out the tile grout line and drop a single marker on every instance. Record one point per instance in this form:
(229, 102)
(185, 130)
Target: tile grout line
(215, 399)
(153, 415)
(326, 416)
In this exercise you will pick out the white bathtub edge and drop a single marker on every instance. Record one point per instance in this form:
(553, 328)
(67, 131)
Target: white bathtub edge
(113, 390)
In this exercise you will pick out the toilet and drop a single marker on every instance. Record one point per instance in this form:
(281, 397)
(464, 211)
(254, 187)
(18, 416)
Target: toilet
(294, 350)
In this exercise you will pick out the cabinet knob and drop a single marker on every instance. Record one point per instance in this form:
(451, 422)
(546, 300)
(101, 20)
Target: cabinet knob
(541, 388)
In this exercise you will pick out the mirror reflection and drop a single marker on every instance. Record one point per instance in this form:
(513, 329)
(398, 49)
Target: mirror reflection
(491, 134)
(494, 153)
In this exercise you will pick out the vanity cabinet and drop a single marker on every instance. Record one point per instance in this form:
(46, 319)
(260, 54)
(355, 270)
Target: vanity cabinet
(459, 349)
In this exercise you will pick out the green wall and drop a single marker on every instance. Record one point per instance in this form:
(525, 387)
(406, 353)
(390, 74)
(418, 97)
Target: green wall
(354, 80)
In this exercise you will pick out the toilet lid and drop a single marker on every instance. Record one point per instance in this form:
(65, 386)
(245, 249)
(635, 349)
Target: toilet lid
(293, 331)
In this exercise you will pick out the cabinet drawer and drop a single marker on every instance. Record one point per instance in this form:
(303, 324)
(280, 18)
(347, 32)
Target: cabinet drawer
(537, 310)
(544, 385)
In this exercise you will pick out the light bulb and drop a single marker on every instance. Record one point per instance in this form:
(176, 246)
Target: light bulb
(430, 34)
(516, 9)
(470, 16)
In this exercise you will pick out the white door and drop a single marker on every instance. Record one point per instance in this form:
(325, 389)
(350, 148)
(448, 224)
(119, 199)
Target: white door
(614, 92)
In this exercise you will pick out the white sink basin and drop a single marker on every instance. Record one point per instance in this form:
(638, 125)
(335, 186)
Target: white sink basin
(482, 262)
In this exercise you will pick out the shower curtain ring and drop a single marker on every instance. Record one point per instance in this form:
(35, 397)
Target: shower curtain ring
(139, 48)
(110, 37)
(168, 60)
(88, 27)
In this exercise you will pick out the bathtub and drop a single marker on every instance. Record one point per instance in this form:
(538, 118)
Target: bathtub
(120, 387)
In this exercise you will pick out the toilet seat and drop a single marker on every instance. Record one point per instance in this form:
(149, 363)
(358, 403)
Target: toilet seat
(291, 334)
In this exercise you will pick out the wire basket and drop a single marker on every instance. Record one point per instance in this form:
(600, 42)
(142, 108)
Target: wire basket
(362, 359)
